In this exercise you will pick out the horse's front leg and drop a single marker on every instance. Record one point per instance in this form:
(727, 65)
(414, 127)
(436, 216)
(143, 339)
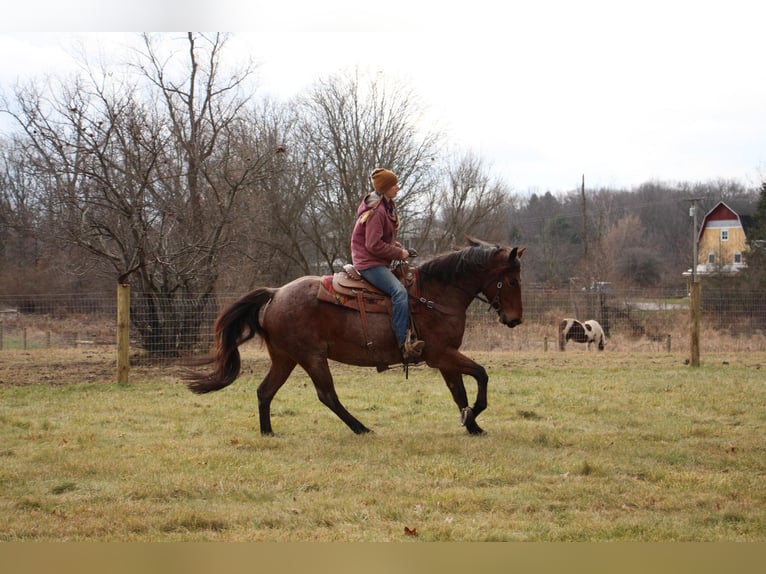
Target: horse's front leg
(452, 369)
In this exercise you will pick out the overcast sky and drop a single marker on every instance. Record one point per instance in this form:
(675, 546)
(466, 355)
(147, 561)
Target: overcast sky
(546, 91)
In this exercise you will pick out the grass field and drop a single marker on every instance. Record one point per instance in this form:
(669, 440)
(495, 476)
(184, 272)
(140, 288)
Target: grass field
(579, 447)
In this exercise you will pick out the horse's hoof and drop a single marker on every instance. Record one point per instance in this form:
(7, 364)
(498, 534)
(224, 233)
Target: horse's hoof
(466, 416)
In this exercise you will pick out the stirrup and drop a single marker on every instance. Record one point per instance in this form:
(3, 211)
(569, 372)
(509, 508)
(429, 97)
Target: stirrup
(411, 351)
(412, 347)
(412, 354)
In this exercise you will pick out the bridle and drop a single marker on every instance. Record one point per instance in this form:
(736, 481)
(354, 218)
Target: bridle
(496, 303)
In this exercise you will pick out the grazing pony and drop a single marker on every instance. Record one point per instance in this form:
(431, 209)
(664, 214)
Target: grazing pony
(300, 329)
(588, 332)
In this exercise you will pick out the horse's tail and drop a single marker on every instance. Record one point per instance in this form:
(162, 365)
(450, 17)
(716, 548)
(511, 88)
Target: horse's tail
(235, 324)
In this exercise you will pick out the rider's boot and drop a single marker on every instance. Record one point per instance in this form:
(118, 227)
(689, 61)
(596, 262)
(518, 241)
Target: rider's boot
(412, 348)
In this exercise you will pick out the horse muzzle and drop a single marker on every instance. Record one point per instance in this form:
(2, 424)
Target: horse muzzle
(510, 323)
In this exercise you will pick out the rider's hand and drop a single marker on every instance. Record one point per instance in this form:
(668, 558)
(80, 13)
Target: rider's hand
(405, 255)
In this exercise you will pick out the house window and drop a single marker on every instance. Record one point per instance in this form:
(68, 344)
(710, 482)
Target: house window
(711, 258)
(724, 235)
(737, 258)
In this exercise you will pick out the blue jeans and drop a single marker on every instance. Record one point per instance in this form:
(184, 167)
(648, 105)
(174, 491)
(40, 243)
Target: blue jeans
(384, 279)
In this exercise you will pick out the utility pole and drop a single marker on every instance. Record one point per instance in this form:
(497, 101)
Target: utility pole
(589, 275)
(693, 214)
(585, 229)
(695, 302)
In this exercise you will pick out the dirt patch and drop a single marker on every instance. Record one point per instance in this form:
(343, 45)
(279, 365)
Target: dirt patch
(59, 367)
(56, 367)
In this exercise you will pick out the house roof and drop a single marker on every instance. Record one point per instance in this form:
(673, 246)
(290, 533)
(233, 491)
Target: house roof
(720, 216)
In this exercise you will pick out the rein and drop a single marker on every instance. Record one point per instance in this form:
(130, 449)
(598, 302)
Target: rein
(427, 303)
(495, 303)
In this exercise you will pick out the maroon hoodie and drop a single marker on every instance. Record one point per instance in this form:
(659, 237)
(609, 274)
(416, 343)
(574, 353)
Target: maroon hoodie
(373, 241)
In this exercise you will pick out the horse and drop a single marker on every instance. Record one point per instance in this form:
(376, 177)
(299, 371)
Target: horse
(300, 329)
(587, 332)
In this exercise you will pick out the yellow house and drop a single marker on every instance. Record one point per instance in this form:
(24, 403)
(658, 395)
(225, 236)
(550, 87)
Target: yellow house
(721, 242)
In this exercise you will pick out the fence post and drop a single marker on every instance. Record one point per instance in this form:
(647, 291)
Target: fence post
(695, 305)
(123, 332)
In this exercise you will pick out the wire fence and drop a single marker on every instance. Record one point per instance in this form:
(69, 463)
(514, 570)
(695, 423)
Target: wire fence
(634, 321)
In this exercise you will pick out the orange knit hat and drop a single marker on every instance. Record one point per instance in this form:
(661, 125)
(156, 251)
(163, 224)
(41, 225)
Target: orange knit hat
(383, 179)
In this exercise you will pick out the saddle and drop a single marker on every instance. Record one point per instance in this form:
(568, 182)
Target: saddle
(348, 289)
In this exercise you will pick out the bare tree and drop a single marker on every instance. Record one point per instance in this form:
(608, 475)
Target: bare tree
(340, 130)
(17, 216)
(146, 172)
(468, 202)
(623, 244)
(25, 262)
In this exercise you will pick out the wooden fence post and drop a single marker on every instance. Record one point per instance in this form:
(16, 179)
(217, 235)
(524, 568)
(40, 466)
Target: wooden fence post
(696, 311)
(123, 332)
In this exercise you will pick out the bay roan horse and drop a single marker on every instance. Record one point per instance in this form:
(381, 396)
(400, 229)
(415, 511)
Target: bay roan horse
(299, 329)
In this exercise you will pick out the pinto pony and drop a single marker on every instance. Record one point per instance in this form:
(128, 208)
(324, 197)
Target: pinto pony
(589, 332)
(300, 329)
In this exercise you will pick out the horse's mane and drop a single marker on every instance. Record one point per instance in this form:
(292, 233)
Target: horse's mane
(450, 266)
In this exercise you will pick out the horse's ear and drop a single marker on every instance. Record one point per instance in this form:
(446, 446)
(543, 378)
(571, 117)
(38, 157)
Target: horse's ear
(516, 252)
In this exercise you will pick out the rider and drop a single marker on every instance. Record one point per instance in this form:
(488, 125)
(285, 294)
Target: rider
(374, 247)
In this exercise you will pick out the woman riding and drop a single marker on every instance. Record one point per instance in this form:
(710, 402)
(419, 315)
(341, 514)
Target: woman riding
(374, 247)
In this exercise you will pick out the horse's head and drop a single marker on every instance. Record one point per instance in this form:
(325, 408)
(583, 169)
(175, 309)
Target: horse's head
(503, 291)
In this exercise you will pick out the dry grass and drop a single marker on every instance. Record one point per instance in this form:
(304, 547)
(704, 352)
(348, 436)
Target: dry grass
(580, 446)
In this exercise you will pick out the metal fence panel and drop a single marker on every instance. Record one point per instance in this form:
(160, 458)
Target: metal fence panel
(633, 320)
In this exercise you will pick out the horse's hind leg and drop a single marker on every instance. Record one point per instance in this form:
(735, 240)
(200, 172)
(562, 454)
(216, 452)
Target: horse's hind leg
(281, 367)
(319, 371)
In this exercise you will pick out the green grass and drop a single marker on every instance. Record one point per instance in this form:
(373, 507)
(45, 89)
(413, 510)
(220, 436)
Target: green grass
(579, 447)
